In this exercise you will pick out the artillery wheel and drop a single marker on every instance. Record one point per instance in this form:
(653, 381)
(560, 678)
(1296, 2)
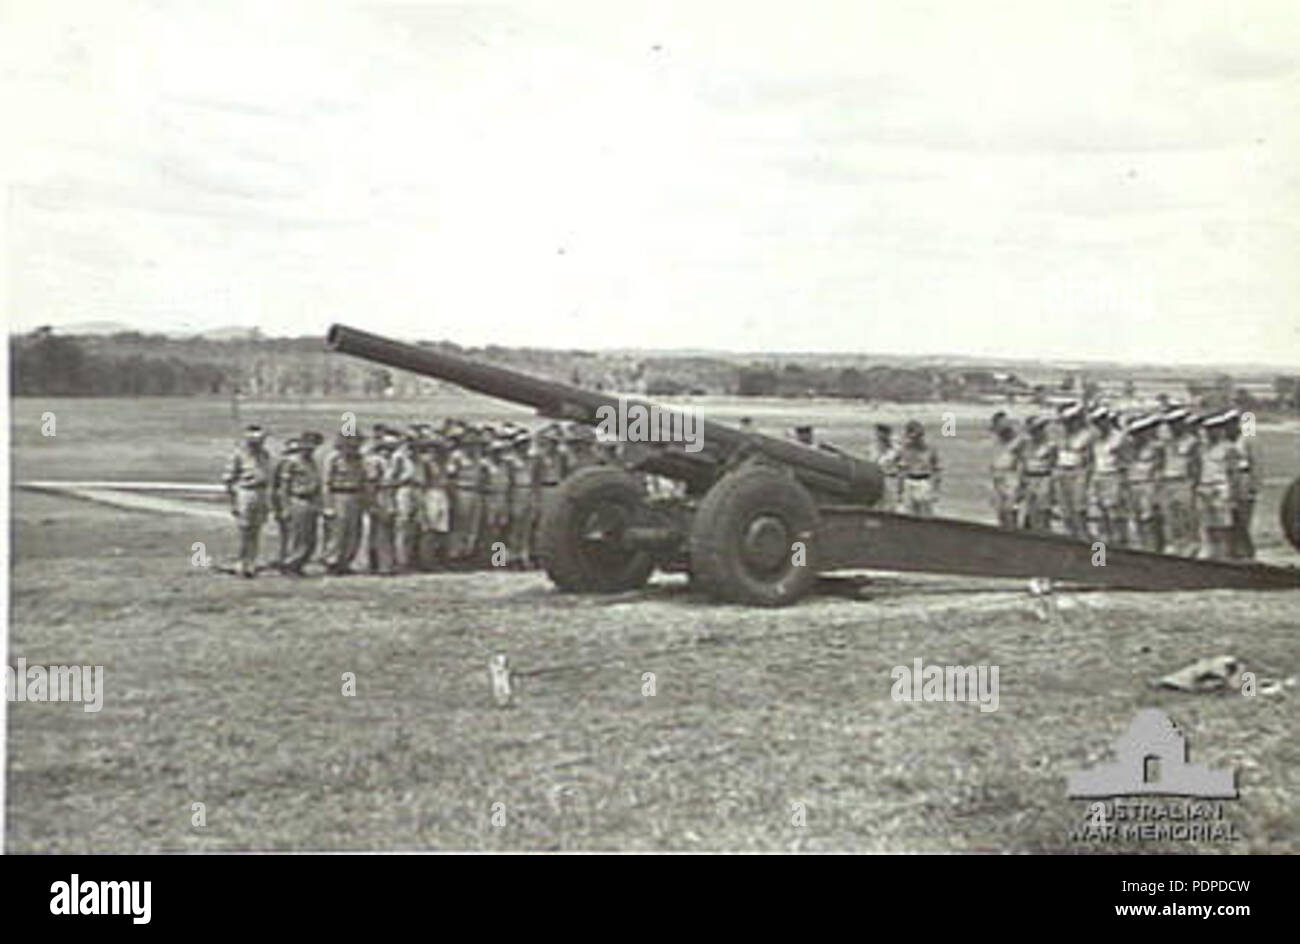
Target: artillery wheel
(1291, 514)
(743, 535)
(581, 528)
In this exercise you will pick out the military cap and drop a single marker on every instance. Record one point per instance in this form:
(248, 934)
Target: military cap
(1036, 422)
(1177, 415)
(1232, 416)
(884, 428)
(312, 437)
(1099, 412)
(996, 420)
(913, 428)
(254, 431)
(1214, 419)
(1071, 410)
(1141, 423)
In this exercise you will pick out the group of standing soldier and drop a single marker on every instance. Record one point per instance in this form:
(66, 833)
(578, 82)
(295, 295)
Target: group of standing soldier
(911, 468)
(425, 498)
(463, 495)
(1169, 482)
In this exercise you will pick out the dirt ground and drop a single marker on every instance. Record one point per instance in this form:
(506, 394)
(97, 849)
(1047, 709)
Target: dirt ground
(228, 693)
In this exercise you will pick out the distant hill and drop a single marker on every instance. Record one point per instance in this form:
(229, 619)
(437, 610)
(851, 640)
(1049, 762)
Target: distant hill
(94, 328)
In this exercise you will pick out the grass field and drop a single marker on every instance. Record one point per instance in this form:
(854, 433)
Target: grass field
(228, 692)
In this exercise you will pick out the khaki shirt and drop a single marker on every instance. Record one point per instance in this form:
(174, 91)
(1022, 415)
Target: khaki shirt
(1220, 464)
(301, 479)
(344, 472)
(408, 468)
(248, 468)
(1040, 457)
(1146, 463)
(521, 471)
(1182, 457)
(918, 461)
(1009, 456)
(1075, 451)
(1110, 453)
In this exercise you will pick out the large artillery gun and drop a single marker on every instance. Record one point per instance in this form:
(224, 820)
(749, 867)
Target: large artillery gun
(763, 517)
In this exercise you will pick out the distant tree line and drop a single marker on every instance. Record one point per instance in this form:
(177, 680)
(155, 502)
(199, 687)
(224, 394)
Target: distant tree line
(899, 384)
(44, 363)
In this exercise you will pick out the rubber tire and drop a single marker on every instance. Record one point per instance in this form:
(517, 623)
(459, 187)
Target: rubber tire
(720, 522)
(1291, 514)
(569, 565)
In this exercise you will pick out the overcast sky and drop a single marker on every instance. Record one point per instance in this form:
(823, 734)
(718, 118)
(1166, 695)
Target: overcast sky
(1065, 179)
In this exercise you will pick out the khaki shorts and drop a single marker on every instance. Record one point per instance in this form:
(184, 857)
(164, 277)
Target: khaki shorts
(250, 507)
(437, 510)
(1214, 502)
(1145, 499)
(1108, 495)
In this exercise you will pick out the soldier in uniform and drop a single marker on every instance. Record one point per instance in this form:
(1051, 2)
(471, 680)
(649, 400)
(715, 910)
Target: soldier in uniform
(345, 502)
(379, 503)
(496, 497)
(803, 435)
(437, 505)
(885, 455)
(247, 478)
(546, 476)
(582, 448)
(300, 488)
(1007, 470)
(522, 493)
(1038, 461)
(1070, 478)
(1108, 504)
(465, 475)
(313, 440)
(1242, 545)
(277, 509)
(408, 477)
(563, 452)
(1143, 472)
(919, 472)
(1216, 488)
(1177, 478)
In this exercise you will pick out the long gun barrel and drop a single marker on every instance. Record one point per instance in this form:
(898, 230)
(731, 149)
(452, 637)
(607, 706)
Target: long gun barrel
(834, 476)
